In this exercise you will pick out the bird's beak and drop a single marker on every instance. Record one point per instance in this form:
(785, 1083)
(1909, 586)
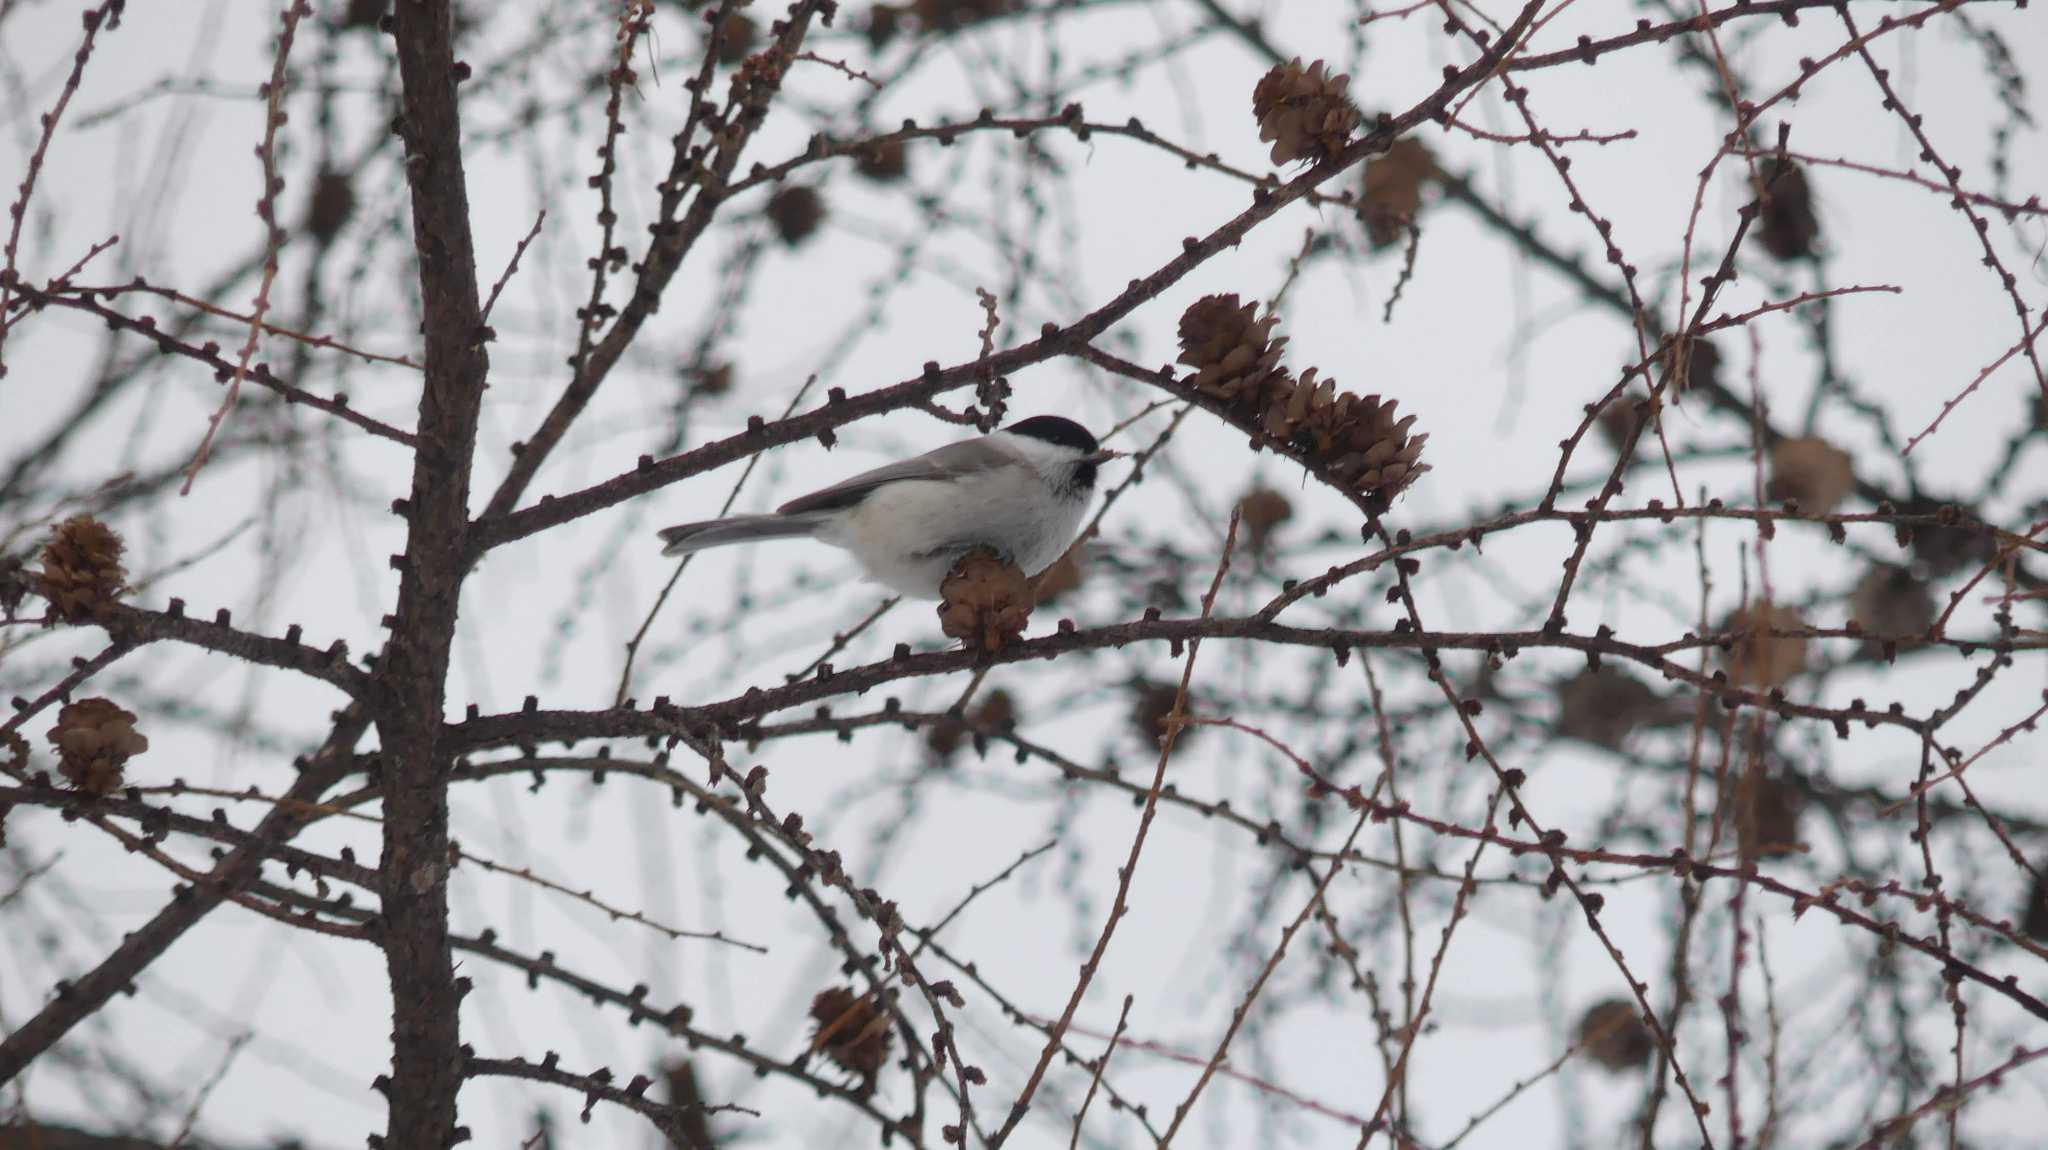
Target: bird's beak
(1102, 456)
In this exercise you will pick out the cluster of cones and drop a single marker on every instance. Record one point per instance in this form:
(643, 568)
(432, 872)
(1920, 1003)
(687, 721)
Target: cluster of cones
(1357, 440)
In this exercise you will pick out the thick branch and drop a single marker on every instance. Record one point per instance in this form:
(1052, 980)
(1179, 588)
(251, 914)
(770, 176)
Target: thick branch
(426, 1043)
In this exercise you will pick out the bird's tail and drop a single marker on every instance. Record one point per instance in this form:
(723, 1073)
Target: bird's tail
(688, 537)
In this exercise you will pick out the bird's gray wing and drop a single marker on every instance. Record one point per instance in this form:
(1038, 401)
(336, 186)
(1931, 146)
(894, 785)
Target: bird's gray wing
(949, 462)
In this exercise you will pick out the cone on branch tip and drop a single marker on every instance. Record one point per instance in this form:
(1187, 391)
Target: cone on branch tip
(884, 163)
(715, 379)
(1233, 352)
(1812, 471)
(1624, 415)
(1947, 545)
(1786, 224)
(1392, 192)
(332, 203)
(1767, 811)
(1891, 603)
(1360, 439)
(1262, 511)
(1153, 707)
(1701, 366)
(1612, 1034)
(952, 15)
(1759, 658)
(1605, 706)
(851, 1029)
(1305, 113)
(82, 572)
(985, 601)
(1355, 440)
(94, 739)
(796, 212)
(883, 23)
(737, 35)
(2035, 924)
(997, 711)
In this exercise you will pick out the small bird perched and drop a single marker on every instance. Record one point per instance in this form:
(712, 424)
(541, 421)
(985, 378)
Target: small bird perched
(1019, 492)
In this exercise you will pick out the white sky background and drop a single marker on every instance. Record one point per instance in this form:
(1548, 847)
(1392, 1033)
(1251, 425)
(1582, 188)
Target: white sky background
(1495, 357)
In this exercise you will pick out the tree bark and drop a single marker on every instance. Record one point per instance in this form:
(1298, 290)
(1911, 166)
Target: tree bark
(426, 1070)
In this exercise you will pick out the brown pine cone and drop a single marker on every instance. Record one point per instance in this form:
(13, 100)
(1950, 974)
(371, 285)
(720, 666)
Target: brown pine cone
(1891, 603)
(1262, 511)
(952, 15)
(715, 380)
(997, 711)
(1358, 438)
(1941, 549)
(884, 163)
(852, 1029)
(796, 212)
(1612, 1034)
(1813, 471)
(332, 203)
(1234, 354)
(1620, 418)
(1786, 224)
(985, 601)
(1304, 113)
(1154, 704)
(736, 38)
(1604, 707)
(2035, 924)
(1762, 660)
(1393, 190)
(94, 738)
(883, 23)
(81, 570)
(1701, 368)
(1767, 813)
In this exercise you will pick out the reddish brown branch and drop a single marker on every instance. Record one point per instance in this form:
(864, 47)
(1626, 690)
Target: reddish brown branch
(106, 17)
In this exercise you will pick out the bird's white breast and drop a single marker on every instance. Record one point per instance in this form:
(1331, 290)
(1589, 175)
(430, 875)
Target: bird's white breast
(908, 534)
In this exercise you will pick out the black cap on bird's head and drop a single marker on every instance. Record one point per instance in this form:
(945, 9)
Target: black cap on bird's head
(1055, 429)
(1063, 432)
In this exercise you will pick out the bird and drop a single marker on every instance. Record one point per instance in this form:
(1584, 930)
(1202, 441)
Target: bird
(1020, 492)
